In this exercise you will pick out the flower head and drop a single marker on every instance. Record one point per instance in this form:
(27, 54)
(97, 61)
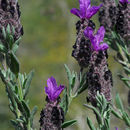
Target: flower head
(85, 11)
(53, 91)
(96, 39)
(124, 1)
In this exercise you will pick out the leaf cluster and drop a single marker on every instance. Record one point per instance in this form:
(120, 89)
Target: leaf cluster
(16, 84)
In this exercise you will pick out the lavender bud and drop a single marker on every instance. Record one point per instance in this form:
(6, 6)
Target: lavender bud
(99, 77)
(107, 14)
(10, 14)
(123, 20)
(82, 47)
(52, 116)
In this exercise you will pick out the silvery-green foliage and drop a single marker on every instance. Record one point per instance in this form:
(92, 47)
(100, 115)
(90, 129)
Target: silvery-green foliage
(16, 84)
(102, 112)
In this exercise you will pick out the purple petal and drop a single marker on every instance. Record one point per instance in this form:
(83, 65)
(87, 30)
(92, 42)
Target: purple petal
(53, 81)
(95, 44)
(48, 93)
(124, 1)
(92, 11)
(58, 92)
(76, 12)
(100, 34)
(52, 86)
(89, 32)
(52, 90)
(116, 128)
(84, 4)
(103, 46)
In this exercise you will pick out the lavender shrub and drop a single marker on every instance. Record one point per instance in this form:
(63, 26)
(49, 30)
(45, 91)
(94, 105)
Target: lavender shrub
(90, 50)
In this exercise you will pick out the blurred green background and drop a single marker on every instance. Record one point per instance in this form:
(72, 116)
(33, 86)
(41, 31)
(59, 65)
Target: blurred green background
(49, 33)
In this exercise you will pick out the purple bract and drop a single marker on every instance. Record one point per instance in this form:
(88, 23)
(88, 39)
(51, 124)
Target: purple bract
(53, 91)
(116, 128)
(97, 38)
(124, 1)
(85, 11)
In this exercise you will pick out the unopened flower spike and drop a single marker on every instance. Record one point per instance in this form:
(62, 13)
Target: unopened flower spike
(53, 91)
(86, 10)
(97, 38)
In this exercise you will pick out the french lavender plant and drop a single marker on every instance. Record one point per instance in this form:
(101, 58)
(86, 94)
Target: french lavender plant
(90, 50)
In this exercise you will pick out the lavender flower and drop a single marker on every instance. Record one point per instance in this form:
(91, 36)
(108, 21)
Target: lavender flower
(53, 91)
(96, 39)
(52, 116)
(85, 11)
(99, 77)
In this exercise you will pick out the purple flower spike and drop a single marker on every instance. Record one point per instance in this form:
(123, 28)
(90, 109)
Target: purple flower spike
(85, 11)
(96, 39)
(124, 1)
(53, 91)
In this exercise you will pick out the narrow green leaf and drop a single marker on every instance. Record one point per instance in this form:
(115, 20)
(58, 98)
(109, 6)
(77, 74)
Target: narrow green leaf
(65, 101)
(4, 32)
(69, 76)
(14, 123)
(99, 119)
(126, 118)
(11, 41)
(19, 120)
(14, 66)
(90, 124)
(127, 69)
(2, 48)
(32, 114)
(26, 108)
(10, 94)
(28, 83)
(16, 45)
(8, 29)
(125, 79)
(82, 88)
(68, 123)
(116, 1)
(73, 81)
(13, 30)
(119, 102)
